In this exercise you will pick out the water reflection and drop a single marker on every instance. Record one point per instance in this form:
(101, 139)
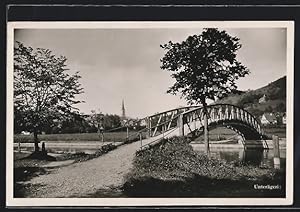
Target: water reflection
(59, 148)
(256, 157)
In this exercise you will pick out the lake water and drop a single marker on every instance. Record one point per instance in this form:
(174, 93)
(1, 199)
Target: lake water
(254, 157)
(87, 147)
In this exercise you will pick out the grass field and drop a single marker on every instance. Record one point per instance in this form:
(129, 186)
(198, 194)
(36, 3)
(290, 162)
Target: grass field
(218, 134)
(223, 133)
(79, 137)
(214, 135)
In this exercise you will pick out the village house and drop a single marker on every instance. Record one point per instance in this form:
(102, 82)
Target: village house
(263, 99)
(25, 133)
(268, 118)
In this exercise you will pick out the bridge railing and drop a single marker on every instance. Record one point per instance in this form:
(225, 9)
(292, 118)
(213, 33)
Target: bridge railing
(192, 118)
(220, 112)
(165, 121)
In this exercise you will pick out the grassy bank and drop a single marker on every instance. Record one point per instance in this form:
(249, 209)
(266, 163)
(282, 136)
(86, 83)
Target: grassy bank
(173, 169)
(26, 166)
(279, 131)
(78, 137)
(24, 170)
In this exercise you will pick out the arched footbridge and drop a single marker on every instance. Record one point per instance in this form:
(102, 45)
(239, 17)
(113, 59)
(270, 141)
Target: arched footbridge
(190, 121)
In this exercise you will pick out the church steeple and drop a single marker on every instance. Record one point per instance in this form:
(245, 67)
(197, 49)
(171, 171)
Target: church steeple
(123, 110)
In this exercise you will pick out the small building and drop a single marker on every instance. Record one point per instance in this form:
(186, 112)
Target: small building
(263, 99)
(131, 122)
(25, 133)
(268, 118)
(124, 122)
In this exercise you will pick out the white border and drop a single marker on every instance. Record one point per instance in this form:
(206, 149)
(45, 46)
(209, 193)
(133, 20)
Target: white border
(11, 201)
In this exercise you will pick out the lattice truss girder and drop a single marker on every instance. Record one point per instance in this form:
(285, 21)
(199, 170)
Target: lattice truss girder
(192, 118)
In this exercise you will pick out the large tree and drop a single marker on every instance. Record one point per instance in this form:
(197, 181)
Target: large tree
(204, 67)
(43, 89)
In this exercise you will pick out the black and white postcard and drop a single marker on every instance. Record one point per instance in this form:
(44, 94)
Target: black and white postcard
(150, 113)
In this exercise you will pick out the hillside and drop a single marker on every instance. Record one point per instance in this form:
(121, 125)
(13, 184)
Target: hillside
(270, 98)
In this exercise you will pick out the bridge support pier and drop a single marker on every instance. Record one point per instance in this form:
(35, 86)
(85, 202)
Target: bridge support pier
(276, 152)
(180, 125)
(148, 127)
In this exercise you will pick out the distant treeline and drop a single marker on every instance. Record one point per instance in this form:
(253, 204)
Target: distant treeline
(79, 123)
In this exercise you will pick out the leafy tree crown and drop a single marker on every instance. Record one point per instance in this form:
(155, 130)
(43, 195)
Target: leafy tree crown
(43, 90)
(204, 66)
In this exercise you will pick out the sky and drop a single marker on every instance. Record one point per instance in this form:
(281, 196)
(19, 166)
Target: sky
(118, 64)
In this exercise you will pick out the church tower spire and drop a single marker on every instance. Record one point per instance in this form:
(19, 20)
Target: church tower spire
(123, 110)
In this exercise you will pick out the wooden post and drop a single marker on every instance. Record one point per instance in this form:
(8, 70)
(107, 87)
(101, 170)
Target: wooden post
(19, 147)
(127, 133)
(43, 147)
(140, 135)
(276, 152)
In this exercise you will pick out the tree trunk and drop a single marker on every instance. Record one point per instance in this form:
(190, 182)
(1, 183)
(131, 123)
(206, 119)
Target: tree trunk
(206, 137)
(102, 137)
(99, 133)
(36, 141)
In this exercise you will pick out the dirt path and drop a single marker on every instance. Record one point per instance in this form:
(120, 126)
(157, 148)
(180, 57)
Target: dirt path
(81, 179)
